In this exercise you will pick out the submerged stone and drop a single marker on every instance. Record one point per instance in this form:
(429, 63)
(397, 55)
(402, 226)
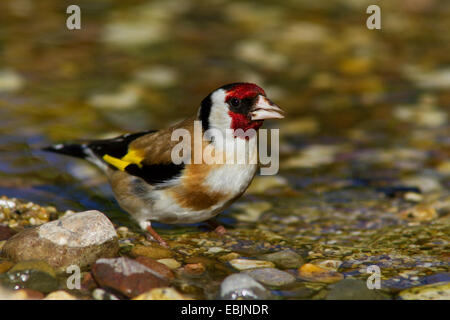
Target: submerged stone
(127, 276)
(34, 275)
(242, 286)
(352, 289)
(286, 259)
(435, 291)
(271, 276)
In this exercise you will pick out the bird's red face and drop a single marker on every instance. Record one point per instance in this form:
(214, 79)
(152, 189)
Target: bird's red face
(237, 106)
(248, 106)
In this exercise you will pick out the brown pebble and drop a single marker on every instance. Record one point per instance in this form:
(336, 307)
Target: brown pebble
(151, 252)
(156, 266)
(313, 273)
(194, 268)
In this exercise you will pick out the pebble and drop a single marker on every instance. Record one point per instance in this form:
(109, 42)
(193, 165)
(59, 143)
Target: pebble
(101, 294)
(271, 276)
(435, 291)
(34, 274)
(60, 295)
(156, 266)
(194, 269)
(352, 289)
(286, 259)
(170, 263)
(5, 266)
(127, 276)
(261, 184)
(229, 256)
(124, 98)
(313, 273)
(243, 287)
(161, 294)
(10, 81)
(245, 264)
(151, 252)
(313, 156)
(419, 213)
(159, 76)
(75, 239)
(252, 211)
(6, 232)
(328, 264)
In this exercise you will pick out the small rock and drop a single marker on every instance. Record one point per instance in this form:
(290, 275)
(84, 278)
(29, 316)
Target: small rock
(286, 259)
(5, 266)
(10, 81)
(194, 269)
(6, 232)
(156, 266)
(435, 291)
(261, 184)
(271, 276)
(419, 213)
(23, 294)
(33, 274)
(151, 252)
(243, 287)
(352, 289)
(127, 276)
(60, 295)
(313, 273)
(161, 294)
(75, 239)
(170, 263)
(101, 294)
(88, 283)
(252, 211)
(229, 256)
(245, 264)
(328, 264)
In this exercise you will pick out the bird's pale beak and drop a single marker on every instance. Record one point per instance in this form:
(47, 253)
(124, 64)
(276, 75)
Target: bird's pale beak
(266, 109)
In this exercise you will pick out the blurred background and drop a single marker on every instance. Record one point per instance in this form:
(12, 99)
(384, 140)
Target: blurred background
(367, 109)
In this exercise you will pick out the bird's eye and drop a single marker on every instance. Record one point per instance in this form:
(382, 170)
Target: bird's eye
(235, 102)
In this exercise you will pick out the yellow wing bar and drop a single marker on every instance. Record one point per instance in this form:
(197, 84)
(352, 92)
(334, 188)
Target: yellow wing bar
(132, 157)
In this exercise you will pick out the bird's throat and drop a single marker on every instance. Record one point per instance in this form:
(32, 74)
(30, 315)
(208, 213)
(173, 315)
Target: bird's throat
(241, 121)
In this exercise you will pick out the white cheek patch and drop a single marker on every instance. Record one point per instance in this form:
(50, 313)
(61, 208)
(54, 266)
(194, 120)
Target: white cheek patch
(219, 117)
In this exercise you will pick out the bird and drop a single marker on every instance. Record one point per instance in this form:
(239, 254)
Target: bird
(149, 185)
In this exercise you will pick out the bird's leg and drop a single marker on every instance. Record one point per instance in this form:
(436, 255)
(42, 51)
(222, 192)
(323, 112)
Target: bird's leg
(152, 234)
(218, 228)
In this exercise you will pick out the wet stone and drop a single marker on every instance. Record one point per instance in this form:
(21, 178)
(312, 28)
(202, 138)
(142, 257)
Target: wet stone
(156, 266)
(126, 276)
(5, 266)
(170, 263)
(75, 239)
(162, 294)
(271, 276)
(435, 291)
(244, 264)
(243, 287)
(60, 295)
(286, 259)
(352, 289)
(34, 275)
(6, 232)
(313, 273)
(151, 252)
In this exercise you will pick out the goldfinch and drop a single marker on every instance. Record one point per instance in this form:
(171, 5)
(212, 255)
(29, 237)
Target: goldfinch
(151, 186)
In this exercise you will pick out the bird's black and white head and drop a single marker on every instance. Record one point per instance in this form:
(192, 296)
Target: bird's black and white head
(237, 106)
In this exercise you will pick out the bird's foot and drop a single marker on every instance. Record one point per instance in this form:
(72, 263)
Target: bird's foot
(217, 227)
(152, 235)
